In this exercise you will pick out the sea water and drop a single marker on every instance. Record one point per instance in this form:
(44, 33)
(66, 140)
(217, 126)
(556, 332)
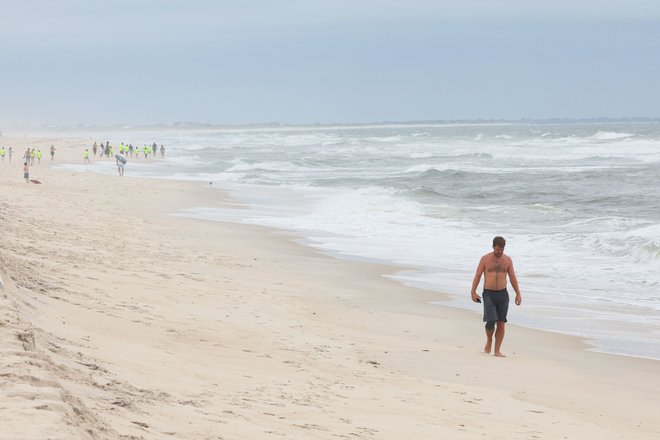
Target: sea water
(579, 205)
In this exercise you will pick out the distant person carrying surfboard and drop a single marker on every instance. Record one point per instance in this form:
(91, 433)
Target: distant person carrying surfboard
(121, 161)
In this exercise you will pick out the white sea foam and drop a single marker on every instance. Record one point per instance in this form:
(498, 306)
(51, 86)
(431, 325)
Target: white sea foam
(420, 155)
(421, 168)
(265, 166)
(609, 135)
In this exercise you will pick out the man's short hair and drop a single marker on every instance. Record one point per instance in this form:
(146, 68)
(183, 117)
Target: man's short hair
(499, 241)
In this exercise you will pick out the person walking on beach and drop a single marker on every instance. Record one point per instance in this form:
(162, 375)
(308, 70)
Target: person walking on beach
(52, 152)
(39, 156)
(495, 266)
(10, 153)
(2, 153)
(26, 172)
(121, 161)
(86, 155)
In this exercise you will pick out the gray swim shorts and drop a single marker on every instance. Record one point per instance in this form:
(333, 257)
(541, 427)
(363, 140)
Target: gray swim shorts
(496, 305)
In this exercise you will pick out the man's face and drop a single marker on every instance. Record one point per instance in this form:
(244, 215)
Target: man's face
(498, 250)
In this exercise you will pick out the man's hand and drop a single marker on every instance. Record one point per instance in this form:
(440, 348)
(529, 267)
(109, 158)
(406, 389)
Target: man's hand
(518, 299)
(476, 298)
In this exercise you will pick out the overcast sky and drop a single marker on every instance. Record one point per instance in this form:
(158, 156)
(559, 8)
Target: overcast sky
(289, 61)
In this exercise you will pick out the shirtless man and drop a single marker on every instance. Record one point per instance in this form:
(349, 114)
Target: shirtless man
(495, 266)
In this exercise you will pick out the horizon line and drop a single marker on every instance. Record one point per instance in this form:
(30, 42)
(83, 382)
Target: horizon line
(195, 124)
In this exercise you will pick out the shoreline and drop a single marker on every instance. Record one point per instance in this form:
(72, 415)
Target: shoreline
(233, 213)
(140, 323)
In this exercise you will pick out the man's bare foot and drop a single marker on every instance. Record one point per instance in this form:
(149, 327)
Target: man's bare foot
(487, 347)
(500, 354)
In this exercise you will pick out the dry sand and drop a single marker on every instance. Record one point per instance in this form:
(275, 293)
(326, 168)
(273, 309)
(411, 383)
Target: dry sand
(119, 321)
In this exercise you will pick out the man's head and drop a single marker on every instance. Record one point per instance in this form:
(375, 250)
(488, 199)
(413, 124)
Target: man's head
(498, 246)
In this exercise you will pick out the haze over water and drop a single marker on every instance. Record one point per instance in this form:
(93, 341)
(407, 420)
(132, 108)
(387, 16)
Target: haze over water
(579, 205)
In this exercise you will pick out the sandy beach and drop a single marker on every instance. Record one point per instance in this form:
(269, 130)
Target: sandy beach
(119, 320)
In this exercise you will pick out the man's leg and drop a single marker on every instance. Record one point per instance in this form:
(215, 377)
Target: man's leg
(490, 330)
(499, 337)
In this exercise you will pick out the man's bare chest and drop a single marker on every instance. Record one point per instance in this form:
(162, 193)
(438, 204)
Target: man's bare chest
(497, 266)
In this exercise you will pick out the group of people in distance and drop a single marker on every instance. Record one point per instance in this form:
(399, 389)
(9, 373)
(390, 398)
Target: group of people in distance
(125, 151)
(30, 155)
(6, 152)
(129, 150)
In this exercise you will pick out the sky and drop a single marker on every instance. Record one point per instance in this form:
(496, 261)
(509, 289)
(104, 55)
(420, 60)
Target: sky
(132, 62)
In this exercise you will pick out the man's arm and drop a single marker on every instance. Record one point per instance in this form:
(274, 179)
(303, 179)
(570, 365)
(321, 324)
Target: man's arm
(514, 283)
(477, 277)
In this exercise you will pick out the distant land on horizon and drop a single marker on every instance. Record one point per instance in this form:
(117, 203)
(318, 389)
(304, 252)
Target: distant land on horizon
(210, 125)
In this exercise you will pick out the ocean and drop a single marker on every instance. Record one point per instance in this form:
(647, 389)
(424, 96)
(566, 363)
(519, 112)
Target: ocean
(578, 203)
